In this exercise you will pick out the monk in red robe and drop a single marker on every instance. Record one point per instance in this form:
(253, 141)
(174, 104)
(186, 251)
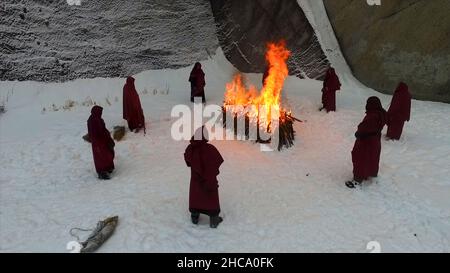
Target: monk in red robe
(367, 149)
(197, 80)
(132, 110)
(330, 85)
(399, 112)
(102, 143)
(204, 160)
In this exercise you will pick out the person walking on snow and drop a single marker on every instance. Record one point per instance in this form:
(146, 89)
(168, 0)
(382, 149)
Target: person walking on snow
(102, 144)
(132, 109)
(330, 85)
(367, 149)
(197, 80)
(204, 160)
(399, 112)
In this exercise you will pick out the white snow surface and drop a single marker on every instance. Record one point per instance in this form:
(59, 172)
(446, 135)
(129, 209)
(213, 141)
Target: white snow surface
(289, 201)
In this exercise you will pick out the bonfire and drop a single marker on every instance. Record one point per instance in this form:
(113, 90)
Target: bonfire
(258, 115)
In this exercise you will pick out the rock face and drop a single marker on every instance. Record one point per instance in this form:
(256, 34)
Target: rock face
(49, 40)
(244, 28)
(401, 40)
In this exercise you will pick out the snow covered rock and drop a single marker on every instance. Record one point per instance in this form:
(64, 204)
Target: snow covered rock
(55, 41)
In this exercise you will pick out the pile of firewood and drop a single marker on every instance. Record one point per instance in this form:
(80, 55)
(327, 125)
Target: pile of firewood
(286, 129)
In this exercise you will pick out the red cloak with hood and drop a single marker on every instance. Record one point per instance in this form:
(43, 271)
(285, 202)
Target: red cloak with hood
(132, 110)
(204, 160)
(102, 143)
(367, 148)
(330, 85)
(399, 111)
(197, 79)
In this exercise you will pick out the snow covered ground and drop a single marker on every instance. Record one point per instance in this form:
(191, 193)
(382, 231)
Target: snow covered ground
(292, 201)
(289, 201)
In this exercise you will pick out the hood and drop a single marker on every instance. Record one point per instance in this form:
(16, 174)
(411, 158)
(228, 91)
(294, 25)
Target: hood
(97, 111)
(374, 104)
(331, 72)
(401, 88)
(130, 80)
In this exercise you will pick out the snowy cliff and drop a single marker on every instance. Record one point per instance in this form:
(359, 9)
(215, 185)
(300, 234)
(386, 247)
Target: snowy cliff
(47, 40)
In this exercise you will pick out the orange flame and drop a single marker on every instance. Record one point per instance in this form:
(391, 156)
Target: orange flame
(238, 95)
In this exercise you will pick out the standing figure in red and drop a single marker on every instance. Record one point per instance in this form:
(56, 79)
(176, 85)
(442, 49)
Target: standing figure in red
(330, 85)
(367, 149)
(102, 143)
(197, 79)
(399, 112)
(204, 160)
(132, 110)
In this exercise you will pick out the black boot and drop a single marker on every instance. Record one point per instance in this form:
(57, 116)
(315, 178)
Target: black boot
(195, 217)
(103, 176)
(214, 221)
(352, 184)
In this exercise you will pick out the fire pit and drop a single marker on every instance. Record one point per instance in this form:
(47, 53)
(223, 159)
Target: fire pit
(257, 115)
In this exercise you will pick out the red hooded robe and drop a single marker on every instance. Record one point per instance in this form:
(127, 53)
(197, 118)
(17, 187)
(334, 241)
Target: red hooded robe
(204, 160)
(102, 143)
(367, 149)
(132, 110)
(197, 80)
(399, 111)
(330, 85)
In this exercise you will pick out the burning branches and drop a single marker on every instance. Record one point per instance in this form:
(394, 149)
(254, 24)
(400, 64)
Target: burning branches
(248, 126)
(261, 112)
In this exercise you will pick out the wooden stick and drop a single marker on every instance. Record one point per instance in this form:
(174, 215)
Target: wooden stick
(294, 118)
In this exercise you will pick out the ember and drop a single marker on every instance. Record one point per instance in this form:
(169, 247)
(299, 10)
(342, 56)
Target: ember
(260, 113)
